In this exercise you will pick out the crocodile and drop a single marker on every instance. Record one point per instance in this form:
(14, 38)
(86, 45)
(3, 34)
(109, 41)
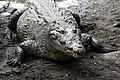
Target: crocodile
(49, 32)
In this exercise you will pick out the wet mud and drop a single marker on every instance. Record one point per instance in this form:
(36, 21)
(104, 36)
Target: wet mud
(93, 66)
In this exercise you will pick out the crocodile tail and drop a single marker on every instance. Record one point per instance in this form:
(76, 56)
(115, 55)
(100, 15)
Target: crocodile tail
(12, 24)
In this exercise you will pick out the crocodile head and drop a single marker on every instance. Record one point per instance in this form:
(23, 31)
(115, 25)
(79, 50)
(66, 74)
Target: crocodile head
(67, 38)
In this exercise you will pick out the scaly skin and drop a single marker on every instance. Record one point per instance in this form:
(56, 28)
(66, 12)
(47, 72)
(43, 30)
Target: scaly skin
(50, 32)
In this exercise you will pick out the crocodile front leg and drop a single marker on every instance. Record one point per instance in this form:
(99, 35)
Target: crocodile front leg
(21, 51)
(90, 43)
(12, 24)
(83, 26)
(78, 20)
(18, 59)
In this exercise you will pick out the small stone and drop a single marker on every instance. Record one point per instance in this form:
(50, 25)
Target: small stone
(18, 78)
(111, 38)
(78, 79)
(39, 23)
(11, 75)
(28, 18)
(54, 21)
(87, 75)
(117, 62)
(43, 70)
(17, 72)
(48, 75)
(113, 44)
(32, 77)
(117, 24)
(35, 20)
(26, 76)
(66, 75)
(94, 63)
(93, 57)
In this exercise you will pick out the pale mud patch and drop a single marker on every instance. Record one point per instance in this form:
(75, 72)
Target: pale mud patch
(111, 56)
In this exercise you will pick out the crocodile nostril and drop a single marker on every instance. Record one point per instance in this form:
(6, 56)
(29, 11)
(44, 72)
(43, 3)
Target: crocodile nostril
(62, 42)
(79, 50)
(74, 31)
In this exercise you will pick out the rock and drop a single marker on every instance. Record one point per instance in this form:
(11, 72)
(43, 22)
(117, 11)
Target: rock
(117, 62)
(117, 24)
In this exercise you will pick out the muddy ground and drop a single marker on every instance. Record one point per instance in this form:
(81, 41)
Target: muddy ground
(94, 66)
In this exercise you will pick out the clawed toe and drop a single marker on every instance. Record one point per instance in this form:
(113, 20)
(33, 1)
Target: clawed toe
(112, 50)
(109, 50)
(14, 62)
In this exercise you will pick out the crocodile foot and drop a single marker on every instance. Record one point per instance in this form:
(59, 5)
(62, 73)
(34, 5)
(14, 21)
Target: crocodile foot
(14, 62)
(20, 52)
(18, 59)
(92, 44)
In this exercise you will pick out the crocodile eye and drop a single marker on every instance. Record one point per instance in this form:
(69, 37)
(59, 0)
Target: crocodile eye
(75, 31)
(62, 42)
(62, 31)
(53, 34)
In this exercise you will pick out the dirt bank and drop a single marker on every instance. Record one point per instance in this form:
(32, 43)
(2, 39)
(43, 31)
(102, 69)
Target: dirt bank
(93, 66)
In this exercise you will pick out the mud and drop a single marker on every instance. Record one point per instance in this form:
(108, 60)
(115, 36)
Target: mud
(94, 66)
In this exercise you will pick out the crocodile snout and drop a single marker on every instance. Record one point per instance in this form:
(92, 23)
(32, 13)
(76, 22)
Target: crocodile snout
(79, 52)
(76, 51)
